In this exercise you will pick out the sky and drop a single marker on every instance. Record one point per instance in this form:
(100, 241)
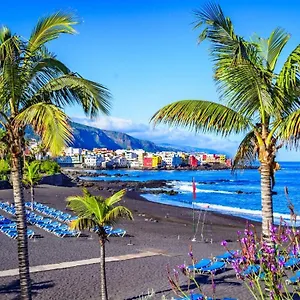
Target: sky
(146, 53)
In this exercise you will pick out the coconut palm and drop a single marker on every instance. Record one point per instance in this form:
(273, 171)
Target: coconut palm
(98, 212)
(31, 177)
(261, 100)
(34, 88)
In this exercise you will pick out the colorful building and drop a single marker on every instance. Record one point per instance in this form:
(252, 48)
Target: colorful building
(156, 161)
(147, 162)
(193, 161)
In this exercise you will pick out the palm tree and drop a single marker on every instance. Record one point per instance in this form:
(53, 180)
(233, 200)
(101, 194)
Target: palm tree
(31, 177)
(97, 212)
(259, 102)
(34, 88)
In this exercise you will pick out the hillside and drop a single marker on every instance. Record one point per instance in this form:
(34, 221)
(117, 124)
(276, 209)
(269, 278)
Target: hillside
(90, 137)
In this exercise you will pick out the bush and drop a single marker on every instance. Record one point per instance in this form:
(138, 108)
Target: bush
(50, 167)
(4, 169)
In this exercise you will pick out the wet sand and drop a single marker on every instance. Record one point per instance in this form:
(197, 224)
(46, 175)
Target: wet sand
(156, 227)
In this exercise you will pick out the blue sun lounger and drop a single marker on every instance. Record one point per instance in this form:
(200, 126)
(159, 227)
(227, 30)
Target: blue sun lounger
(193, 297)
(292, 262)
(200, 264)
(294, 279)
(118, 232)
(213, 268)
(228, 256)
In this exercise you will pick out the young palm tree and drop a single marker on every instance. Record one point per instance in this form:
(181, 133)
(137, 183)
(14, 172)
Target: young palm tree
(31, 177)
(97, 212)
(34, 88)
(259, 102)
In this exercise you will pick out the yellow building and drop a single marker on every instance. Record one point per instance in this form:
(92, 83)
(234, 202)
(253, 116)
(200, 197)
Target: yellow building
(222, 158)
(156, 161)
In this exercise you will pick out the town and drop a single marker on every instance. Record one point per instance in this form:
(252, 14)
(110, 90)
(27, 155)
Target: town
(103, 158)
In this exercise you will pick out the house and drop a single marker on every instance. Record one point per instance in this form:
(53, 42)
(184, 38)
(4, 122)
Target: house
(156, 161)
(147, 162)
(193, 161)
(93, 161)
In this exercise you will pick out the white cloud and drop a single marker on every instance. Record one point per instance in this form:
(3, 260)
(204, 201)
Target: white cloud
(160, 134)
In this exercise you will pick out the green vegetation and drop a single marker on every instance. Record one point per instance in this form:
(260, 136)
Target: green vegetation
(32, 176)
(4, 169)
(261, 99)
(50, 167)
(97, 212)
(34, 88)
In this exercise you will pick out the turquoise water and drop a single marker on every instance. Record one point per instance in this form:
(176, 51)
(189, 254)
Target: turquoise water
(217, 190)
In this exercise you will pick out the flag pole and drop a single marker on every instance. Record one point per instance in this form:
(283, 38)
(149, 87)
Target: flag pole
(194, 197)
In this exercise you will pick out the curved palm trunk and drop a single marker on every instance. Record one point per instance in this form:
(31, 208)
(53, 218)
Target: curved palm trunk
(266, 200)
(103, 287)
(32, 196)
(16, 178)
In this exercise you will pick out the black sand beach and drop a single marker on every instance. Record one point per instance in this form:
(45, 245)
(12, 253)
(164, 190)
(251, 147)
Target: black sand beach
(156, 227)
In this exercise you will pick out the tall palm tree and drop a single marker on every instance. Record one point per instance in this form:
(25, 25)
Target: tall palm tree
(31, 177)
(34, 88)
(259, 101)
(98, 212)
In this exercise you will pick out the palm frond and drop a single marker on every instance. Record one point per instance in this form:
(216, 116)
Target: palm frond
(276, 42)
(202, 116)
(50, 122)
(289, 76)
(71, 89)
(50, 28)
(289, 130)
(83, 224)
(116, 213)
(247, 151)
(115, 198)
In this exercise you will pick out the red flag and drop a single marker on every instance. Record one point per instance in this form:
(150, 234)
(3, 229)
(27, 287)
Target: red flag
(194, 189)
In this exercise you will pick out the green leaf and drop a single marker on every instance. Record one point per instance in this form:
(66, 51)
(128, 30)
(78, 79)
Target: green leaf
(50, 28)
(202, 116)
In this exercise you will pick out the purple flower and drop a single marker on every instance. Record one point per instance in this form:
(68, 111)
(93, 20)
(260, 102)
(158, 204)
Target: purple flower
(224, 243)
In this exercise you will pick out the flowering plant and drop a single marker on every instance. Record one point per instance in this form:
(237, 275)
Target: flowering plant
(189, 272)
(263, 265)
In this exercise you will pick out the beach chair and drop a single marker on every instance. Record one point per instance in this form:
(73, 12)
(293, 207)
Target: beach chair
(294, 279)
(228, 256)
(200, 264)
(253, 270)
(292, 262)
(118, 232)
(193, 297)
(215, 267)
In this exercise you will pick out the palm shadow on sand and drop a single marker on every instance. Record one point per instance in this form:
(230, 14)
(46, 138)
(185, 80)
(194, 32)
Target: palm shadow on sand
(14, 288)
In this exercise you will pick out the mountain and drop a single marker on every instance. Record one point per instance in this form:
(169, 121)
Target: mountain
(90, 137)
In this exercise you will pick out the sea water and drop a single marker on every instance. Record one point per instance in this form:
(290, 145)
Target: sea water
(235, 194)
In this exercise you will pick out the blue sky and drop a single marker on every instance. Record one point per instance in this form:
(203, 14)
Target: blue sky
(146, 53)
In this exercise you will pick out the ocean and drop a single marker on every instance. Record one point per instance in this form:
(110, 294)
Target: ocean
(221, 191)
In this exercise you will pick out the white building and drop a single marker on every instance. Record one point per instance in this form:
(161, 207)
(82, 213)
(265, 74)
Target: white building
(70, 151)
(131, 155)
(120, 161)
(93, 160)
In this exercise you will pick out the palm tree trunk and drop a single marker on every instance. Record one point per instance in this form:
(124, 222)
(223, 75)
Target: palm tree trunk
(266, 200)
(16, 178)
(103, 287)
(32, 196)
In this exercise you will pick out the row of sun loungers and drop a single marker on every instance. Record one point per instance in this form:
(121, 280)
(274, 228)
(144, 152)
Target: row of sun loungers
(67, 218)
(51, 212)
(9, 228)
(56, 228)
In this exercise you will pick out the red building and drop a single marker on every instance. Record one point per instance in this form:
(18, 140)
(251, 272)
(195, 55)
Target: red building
(147, 162)
(193, 161)
(228, 162)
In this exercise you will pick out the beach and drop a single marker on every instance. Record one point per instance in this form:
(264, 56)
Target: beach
(163, 230)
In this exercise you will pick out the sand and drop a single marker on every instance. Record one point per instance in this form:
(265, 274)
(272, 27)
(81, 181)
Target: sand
(171, 235)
